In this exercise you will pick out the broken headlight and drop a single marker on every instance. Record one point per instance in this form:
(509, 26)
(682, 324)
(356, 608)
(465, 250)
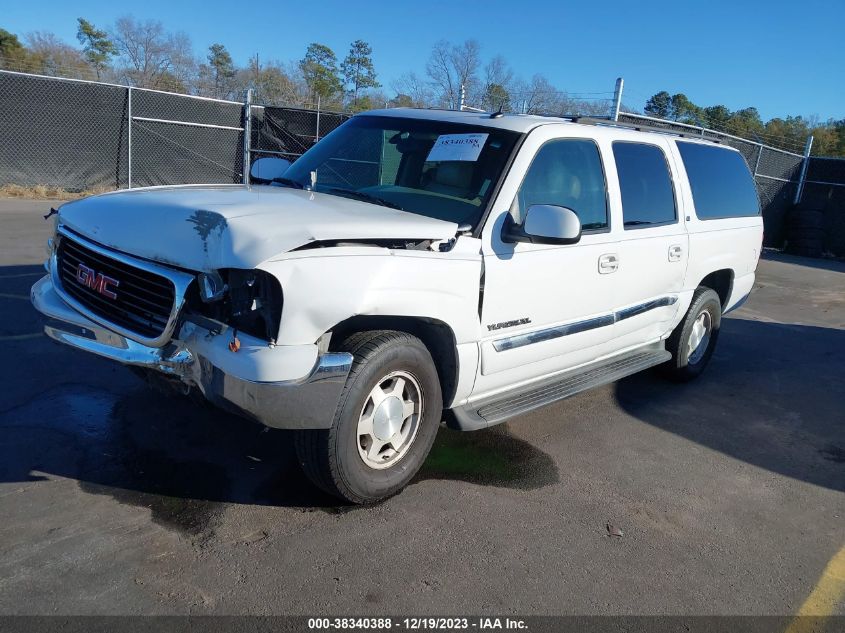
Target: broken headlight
(247, 300)
(211, 286)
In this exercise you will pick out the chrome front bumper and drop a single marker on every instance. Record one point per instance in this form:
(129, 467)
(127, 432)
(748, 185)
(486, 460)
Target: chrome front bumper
(308, 402)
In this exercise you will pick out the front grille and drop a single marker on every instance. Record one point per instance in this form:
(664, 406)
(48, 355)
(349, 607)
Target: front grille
(143, 300)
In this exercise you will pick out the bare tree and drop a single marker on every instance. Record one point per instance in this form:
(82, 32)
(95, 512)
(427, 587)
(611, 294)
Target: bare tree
(538, 96)
(150, 57)
(498, 84)
(414, 90)
(274, 83)
(49, 55)
(452, 66)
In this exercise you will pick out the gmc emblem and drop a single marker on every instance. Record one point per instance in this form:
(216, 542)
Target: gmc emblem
(97, 282)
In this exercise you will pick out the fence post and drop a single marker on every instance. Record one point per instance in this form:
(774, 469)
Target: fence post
(617, 99)
(247, 135)
(804, 163)
(317, 137)
(129, 136)
(757, 162)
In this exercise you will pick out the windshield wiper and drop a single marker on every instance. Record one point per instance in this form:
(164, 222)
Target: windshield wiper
(288, 182)
(365, 197)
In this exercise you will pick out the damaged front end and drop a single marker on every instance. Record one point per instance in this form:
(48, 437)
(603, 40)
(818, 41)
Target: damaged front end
(248, 301)
(179, 325)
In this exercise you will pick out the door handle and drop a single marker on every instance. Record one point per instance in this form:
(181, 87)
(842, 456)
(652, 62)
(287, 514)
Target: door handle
(608, 263)
(675, 252)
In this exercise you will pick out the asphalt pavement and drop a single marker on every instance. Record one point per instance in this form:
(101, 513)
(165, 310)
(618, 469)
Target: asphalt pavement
(729, 491)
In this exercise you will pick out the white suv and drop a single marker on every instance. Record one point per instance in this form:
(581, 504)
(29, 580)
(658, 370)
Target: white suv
(414, 266)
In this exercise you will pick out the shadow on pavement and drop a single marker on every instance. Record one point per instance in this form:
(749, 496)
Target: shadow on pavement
(834, 265)
(69, 414)
(184, 459)
(773, 396)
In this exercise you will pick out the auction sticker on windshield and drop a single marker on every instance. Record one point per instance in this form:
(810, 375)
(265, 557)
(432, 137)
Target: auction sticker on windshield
(457, 147)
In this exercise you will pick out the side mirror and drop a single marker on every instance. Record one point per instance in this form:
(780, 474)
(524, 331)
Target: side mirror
(263, 170)
(544, 224)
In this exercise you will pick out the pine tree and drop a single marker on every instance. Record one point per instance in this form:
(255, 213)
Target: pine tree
(96, 45)
(358, 71)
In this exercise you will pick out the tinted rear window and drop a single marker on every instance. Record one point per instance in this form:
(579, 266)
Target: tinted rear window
(645, 183)
(722, 186)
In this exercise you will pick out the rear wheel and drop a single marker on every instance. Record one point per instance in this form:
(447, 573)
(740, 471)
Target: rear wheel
(693, 341)
(385, 423)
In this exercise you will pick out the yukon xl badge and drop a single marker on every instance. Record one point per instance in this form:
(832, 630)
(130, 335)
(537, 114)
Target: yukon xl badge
(504, 324)
(98, 282)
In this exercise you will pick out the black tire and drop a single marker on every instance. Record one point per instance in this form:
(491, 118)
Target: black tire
(679, 368)
(330, 457)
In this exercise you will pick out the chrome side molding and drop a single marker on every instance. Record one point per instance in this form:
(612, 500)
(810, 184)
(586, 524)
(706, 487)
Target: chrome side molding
(547, 334)
(662, 302)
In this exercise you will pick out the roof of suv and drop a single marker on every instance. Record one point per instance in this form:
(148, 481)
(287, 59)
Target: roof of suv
(515, 122)
(523, 122)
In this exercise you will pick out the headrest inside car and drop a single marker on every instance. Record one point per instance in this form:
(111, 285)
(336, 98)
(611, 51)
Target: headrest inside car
(456, 174)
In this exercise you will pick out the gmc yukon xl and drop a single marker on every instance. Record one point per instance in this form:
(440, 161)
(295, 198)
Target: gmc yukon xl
(414, 266)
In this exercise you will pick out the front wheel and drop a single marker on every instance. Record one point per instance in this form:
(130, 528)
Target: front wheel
(385, 423)
(693, 341)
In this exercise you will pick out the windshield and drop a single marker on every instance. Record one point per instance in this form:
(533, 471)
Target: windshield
(441, 170)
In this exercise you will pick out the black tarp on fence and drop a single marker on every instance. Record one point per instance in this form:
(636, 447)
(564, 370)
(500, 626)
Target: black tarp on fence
(289, 132)
(75, 135)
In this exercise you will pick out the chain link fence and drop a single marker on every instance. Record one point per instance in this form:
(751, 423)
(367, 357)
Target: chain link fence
(63, 133)
(83, 135)
(289, 132)
(180, 139)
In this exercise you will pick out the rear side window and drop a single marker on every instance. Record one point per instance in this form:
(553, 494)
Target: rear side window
(645, 183)
(722, 186)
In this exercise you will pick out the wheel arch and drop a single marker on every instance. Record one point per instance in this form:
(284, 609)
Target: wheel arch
(436, 335)
(721, 281)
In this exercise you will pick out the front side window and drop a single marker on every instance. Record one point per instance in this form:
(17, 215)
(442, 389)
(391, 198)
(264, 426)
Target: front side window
(645, 184)
(721, 183)
(442, 170)
(566, 173)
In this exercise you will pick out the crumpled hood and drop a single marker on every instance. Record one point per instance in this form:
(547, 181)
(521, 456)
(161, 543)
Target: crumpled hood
(235, 226)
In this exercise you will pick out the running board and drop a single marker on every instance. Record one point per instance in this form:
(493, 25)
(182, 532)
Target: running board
(478, 415)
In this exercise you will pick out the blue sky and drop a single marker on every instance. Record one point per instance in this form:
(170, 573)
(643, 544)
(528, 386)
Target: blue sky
(783, 57)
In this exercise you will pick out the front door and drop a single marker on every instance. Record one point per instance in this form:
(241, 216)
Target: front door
(546, 308)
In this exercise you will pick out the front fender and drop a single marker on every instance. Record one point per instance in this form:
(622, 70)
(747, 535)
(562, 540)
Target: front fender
(323, 287)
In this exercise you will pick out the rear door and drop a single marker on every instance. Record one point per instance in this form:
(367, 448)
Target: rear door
(653, 242)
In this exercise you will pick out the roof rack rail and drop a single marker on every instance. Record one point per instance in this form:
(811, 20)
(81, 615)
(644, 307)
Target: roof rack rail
(591, 120)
